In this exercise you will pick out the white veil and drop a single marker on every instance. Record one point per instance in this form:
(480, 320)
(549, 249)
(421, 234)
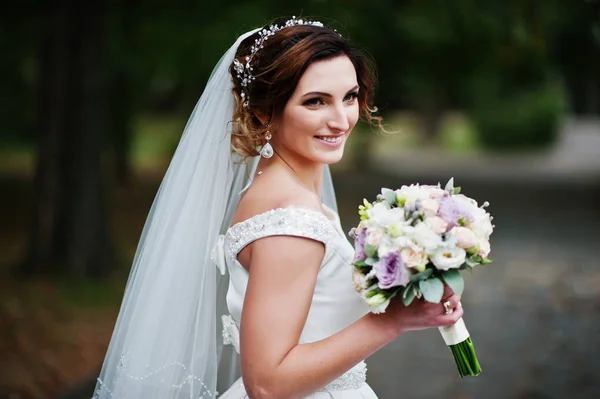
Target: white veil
(167, 343)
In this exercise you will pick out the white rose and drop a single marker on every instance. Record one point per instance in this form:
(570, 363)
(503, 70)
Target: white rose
(437, 224)
(410, 194)
(465, 238)
(484, 248)
(424, 236)
(482, 223)
(386, 245)
(378, 215)
(449, 258)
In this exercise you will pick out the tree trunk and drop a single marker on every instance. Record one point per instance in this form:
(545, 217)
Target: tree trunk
(69, 234)
(122, 97)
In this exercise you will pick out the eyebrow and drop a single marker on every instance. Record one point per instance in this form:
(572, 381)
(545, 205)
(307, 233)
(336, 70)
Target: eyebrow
(322, 94)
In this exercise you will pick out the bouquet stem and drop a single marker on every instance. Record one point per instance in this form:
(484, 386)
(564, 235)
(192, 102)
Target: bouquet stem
(460, 344)
(465, 358)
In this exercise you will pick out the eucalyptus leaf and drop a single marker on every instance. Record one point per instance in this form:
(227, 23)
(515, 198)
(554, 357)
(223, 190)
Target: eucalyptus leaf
(389, 195)
(409, 295)
(432, 289)
(370, 261)
(454, 280)
(456, 190)
(486, 261)
(450, 184)
(421, 276)
(360, 263)
(406, 288)
(370, 250)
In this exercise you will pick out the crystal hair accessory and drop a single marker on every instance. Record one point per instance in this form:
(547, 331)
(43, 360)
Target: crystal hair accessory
(244, 71)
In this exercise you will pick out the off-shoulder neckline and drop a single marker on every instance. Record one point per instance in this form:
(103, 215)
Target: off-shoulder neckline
(287, 208)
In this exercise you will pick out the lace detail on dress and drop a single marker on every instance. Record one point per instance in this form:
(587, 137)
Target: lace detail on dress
(352, 379)
(281, 221)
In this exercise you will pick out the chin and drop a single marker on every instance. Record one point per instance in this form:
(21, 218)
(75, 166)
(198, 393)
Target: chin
(330, 158)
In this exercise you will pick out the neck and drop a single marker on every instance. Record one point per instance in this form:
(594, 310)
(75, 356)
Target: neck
(307, 174)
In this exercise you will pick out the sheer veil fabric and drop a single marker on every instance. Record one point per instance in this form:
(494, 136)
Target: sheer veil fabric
(167, 342)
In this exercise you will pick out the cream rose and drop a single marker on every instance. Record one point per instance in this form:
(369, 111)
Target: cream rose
(414, 259)
(374, 235)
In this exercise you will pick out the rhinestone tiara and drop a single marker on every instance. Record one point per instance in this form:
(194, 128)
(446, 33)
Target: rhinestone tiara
(244, 71)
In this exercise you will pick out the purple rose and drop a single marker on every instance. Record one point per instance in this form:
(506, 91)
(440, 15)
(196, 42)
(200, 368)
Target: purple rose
(452, 211)
(391, 271)
(359, 246)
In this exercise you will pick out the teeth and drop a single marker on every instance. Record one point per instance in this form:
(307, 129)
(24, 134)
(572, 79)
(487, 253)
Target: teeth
(332, 139)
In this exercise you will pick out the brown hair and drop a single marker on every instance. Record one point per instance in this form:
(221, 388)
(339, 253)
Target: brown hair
(277, 69)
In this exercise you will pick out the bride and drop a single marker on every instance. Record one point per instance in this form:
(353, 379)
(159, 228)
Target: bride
(243, 244)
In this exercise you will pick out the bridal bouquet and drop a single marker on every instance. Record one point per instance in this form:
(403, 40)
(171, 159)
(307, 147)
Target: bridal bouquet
(410, 242)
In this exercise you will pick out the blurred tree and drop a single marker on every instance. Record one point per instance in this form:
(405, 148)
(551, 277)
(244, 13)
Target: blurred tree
(69, 231)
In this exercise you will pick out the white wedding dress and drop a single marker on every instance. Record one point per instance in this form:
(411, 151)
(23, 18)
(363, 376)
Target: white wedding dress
(335, 304)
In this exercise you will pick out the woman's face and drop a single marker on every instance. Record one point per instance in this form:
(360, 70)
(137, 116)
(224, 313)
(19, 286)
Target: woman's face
(320, 114)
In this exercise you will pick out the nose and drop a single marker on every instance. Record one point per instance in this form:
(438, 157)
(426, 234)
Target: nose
(339, 120)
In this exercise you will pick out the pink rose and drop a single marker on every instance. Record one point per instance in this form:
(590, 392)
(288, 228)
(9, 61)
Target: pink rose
(435, 192)
(430, 206)
(437, 224)
(465, 238)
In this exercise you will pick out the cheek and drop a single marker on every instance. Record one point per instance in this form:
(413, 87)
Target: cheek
(353, 115)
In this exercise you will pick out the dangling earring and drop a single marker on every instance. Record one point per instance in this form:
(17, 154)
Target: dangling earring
(267, 150)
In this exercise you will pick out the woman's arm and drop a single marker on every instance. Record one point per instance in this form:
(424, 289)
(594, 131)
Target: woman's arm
(283, 272)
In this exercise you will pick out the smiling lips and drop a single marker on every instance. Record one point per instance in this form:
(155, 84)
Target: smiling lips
(331, 139)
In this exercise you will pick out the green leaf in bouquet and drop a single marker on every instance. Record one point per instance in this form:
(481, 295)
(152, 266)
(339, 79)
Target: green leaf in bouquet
(389, 195)
(456, 190)
(360, 263)
(371, 261)
(454, 281)
(477, 259)
(486, 261)
(473, 250)
(370, 250)
(470, 263)
(432, 289)
(450, 184)
(421, 276)
(409, 294)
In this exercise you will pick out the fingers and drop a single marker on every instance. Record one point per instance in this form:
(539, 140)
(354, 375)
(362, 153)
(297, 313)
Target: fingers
(452, 310)
(450, 304)
(447, 292)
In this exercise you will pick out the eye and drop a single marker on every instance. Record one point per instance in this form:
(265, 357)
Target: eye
(314, 102)
(351, 96)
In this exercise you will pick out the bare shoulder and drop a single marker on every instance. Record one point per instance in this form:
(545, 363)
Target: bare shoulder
(274, 191)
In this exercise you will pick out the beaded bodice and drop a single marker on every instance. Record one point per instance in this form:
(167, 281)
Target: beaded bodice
(335, 304)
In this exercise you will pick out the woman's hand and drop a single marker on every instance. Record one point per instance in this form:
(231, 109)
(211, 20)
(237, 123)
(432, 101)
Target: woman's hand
(421, 314)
